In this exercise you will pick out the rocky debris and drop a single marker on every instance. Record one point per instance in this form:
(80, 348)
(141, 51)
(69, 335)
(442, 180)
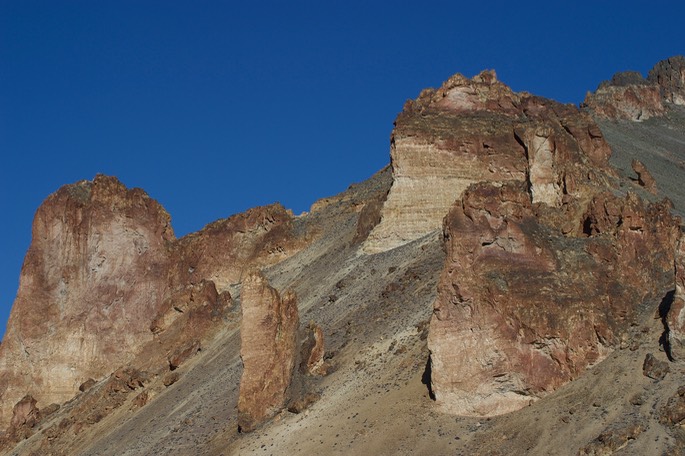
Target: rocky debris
(312, 351)
(25, 417)
(170, 379)
(675, 313)
(303, 403)
(630, 96)
(543, 275)
(669, 75)
(673, 412)
(612, 439)
(644, 177)
(88, 384)
(90, 242)
(183, 353)
(654, 368)
(473, 130)
(268, 349)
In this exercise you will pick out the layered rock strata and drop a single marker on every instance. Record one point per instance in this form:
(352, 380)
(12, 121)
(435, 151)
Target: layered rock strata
(547, 267)
(268, 349)
(473, 130)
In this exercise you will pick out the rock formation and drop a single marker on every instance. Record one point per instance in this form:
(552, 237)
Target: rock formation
(91, 283)
(630, 96)
(544, 274)
(675, 314)
(105, 275)
(268, 348)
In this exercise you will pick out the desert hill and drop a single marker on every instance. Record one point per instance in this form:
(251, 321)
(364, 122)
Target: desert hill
(512, 283)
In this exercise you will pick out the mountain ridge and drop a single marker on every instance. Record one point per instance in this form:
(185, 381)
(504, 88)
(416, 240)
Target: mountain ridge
(372, 295)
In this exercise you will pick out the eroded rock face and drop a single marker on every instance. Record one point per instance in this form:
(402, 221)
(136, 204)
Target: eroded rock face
(547, 267)
(268, 338)
(630, 96)
(675, 317)
(105, 278)
(473, 130)
(527, 302)
(91, 283)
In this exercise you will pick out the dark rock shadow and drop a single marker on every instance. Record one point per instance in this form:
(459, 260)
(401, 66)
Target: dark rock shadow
(664, 308)
(426, 379)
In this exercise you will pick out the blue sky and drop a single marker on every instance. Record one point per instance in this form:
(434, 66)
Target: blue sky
(215, 107)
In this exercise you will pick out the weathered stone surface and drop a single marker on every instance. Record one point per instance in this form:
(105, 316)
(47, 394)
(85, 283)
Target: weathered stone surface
(612, 439)
(654, 368)
(105, 278)
(544, 273)
(225, 250)
(268, 338)
(675, 317)
(312, 351)
(473, 130)
(528, 301)
(91, 283)
(644, 177)
(673, 412)
(630, 96)
(627, 96)
(669, 75)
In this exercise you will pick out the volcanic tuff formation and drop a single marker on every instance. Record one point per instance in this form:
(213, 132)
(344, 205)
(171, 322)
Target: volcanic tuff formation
(546, 267)
(268, 348)
(554, 256)
(104, 272)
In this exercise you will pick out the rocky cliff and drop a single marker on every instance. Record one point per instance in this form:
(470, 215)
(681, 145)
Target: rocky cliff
(105, 276)
(557, 265)
(630, 96)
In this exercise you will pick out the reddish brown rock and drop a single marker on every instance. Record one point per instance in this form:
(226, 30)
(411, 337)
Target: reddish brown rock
(473, 130)
(644, 177)
(627, 96)
(268, 348)
(654, 368)
(669, 75)
(630, 96)
(313, 351)
(180, 355)
(523, 308)
(675, 314)
(92, 281)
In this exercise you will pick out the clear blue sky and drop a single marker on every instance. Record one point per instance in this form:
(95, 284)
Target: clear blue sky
(214, 107)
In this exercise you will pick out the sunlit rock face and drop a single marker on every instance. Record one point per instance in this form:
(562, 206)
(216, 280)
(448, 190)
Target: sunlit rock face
(91, 283)
(104, 275)
(268, 349)
(629, 96)
(548, 265)
(473, 130)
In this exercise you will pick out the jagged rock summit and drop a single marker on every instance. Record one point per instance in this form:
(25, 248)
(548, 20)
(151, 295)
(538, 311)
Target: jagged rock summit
(630, 96)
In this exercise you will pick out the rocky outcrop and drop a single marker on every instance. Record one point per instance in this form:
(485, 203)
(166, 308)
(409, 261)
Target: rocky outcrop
(105, 278)
(91, 283)
(473, 130)
(545, 273)
(627, 96)
(644, 177)
(674, 315)
(669, 75)
(630, 96)
(268, 349)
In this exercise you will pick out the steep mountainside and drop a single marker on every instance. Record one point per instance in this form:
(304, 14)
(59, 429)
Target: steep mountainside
(517, 256)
